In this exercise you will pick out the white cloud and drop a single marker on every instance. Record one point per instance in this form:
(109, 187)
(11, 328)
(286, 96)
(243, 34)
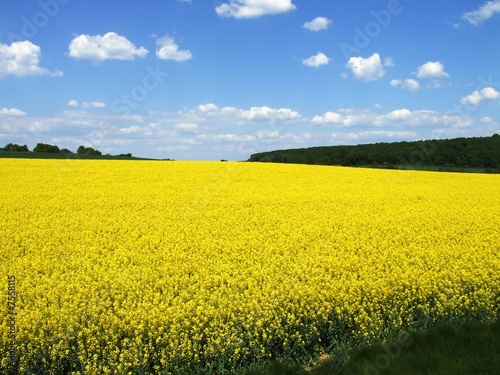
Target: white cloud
(480, 96)
(74, 103)
(253, 8)
(97, 104)
(239, 116)
(367, 135)
(267, 134)
(399, 114)
(318, 24)
(369, 69)
(134, 129)
(98, 48)
(228, 137)
(327, 118)
(408, 84)
(267, 113)
(207, 107)
(388, 61)
(12, 112)
(483, 13)
(169, 50)
(489, 93)
(431, 69)
(351, 118)
(209, 132)
(187, 127)
(22, 59)
(317, 60)
(93, 105)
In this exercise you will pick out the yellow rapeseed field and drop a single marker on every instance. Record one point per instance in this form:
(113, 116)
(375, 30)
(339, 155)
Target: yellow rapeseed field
(137, 267)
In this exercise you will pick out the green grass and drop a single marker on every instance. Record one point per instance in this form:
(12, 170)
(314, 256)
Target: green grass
(472, 349)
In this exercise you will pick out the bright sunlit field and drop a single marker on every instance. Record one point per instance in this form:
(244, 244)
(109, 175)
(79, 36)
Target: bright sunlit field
(201, 267)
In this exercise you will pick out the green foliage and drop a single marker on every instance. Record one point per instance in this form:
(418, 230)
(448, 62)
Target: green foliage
(44, 147)
(62, 155)
(15, 147)
(447, 154)
(277, 368)
(448, 349)
(82, 150)
(444, 350)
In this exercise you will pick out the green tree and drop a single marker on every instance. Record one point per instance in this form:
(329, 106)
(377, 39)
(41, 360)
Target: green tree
(15, 147)
(82, 150)
(44, 147)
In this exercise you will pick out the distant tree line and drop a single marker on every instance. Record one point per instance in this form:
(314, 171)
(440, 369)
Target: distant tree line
(479, 152)
(44, 147)
(82, 150)
(15, 147)
(53, 149)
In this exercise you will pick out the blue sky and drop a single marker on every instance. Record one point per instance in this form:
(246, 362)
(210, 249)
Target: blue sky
(210, 80)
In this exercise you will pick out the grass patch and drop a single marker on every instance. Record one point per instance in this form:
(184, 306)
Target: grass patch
(471, 349)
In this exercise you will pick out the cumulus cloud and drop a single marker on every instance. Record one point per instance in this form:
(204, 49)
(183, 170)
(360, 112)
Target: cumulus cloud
(483, 13)
(370, 134)
(346, 117)
(269, 113)
(477, 97)
(22, 59)
(93, 105)
(327, 118)
(228, 137)
(12, 112)
(399, 114)
(187, 127)
(109, 46)
(241, 116)
(369, 69)
(357, 118)
(209, 107)
(169, 50)
(211, 132)
(317, 60)
(74, 103)
(431, 69)
(389, 62)
(318, 24)
(408, 84)
(253, 8)
(134, 129)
